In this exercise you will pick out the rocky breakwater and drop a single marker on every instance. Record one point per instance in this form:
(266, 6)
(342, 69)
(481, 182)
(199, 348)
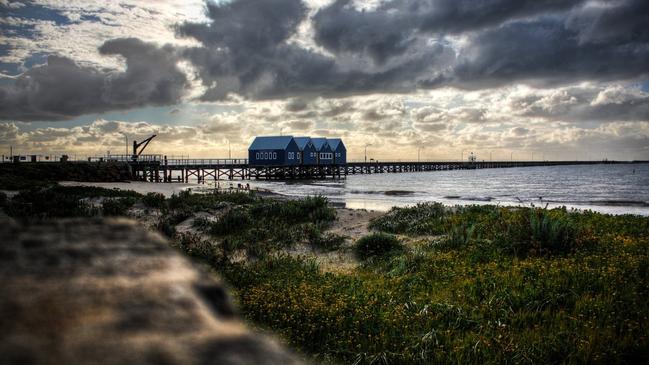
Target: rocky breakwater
(108, 292)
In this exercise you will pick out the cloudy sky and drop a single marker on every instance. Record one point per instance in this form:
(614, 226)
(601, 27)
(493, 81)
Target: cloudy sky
(556, 79)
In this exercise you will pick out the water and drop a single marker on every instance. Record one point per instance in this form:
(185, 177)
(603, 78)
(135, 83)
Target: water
(614, 189)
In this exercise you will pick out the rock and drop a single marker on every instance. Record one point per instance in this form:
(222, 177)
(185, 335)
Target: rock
(108, 292)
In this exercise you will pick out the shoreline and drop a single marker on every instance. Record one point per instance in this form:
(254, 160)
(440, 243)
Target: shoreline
(358, 203)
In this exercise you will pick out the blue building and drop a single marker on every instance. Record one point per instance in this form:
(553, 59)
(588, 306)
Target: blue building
(325, 154)
(308, 154)
(273, 151)
(339, 150)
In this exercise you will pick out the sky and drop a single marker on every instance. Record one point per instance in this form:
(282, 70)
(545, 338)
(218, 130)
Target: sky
(438, 79)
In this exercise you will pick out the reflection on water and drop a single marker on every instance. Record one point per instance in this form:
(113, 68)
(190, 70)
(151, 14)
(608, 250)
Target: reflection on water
(616, 189)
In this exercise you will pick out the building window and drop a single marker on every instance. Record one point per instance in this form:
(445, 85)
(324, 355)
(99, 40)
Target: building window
(266, 155)
(257, 155)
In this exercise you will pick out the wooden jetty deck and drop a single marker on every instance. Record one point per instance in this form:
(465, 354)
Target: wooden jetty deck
(181, 170)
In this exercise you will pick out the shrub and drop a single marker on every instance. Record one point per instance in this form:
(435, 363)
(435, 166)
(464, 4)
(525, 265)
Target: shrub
(233, 221)
(45, 204)
(188, 201)
(310, 209)
(194, 245)
(458, 236)
(93, 192)
(115, 207)
(376, 245)
(154, 200)
(167, 224)
(551, 234)
(424, 218)
(319, 240)
(3, 199)
(202, 223)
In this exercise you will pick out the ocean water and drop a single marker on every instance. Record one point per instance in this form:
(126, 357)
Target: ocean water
(615, 189)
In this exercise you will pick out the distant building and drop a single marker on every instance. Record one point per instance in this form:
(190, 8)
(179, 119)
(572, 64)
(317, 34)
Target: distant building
(273, 151)
(308, 154)
(325, 154)
(339, 150)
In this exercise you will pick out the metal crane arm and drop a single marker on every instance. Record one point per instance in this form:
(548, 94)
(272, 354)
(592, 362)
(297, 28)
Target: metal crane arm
(137, 151)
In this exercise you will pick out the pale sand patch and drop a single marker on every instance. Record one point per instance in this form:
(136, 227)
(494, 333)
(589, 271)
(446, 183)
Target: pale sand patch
(350, 223)
(353, 223)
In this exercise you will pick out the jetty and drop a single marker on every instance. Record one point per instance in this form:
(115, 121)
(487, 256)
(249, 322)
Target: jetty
(161, 169)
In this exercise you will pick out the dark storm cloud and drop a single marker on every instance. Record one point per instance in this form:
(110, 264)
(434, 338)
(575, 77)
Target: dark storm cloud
(400, 46)
(404, 45)
(392, 28)
(61, 89)
(245, 51)
(297, 105)
(545, 51)
(620, 21)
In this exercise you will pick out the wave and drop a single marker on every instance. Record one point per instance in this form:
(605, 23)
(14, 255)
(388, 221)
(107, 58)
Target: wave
(470, 198)
(398, 192)
(612, 203)
(384, 192)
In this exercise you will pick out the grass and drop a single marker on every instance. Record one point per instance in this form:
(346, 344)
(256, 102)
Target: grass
(191, 202)
(423, 218)
(264, 226)
(476, 284)
(556, 286)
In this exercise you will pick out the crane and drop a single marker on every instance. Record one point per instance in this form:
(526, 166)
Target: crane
(136, 146)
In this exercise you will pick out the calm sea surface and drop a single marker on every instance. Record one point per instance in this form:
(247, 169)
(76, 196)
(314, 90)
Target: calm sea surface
(616, 189)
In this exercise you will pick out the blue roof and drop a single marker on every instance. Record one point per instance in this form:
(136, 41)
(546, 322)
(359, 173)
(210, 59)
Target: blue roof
(302, 142)
(270, 143)
(319, 143)
(334, 142)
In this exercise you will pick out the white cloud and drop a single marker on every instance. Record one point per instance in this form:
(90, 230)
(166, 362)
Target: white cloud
(151, 21)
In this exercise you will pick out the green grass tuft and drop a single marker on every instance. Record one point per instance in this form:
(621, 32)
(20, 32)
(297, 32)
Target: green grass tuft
(377, 245)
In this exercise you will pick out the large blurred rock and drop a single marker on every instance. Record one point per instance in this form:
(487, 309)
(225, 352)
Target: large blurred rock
(109, 292)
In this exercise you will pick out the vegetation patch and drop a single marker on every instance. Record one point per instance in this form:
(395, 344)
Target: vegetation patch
(154, 200)
(116, 206)
(324, 242)
(482, 284)
(421, 219)
(556, 286)
(377, 245)
(67, 201)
